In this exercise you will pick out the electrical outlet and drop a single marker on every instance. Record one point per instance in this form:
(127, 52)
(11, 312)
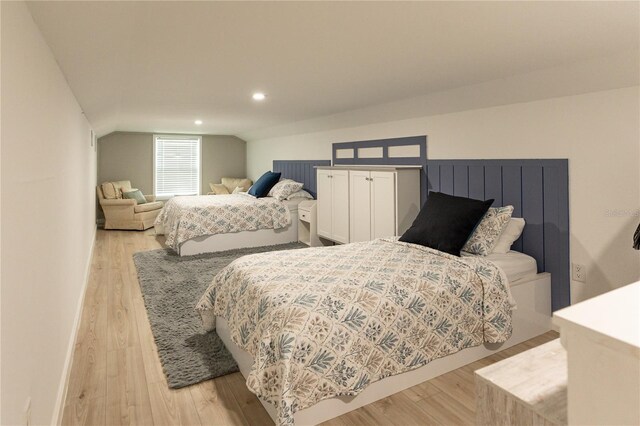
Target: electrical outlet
(578, 272)
(26, 412)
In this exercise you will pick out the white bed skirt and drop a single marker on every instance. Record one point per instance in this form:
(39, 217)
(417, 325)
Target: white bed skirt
(244, 239)
(531, 318)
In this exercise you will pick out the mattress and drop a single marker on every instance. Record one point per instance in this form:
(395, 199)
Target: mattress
(518, 267)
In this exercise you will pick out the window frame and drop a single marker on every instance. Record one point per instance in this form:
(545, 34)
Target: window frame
(153, 159)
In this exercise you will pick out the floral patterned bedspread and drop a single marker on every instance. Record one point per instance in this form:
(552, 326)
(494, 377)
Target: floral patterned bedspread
(183, 218)
(325, 322)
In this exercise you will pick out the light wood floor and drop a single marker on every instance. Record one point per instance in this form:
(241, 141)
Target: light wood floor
(117, 378)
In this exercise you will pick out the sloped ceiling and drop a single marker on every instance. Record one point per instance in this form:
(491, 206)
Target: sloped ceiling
(158, 66)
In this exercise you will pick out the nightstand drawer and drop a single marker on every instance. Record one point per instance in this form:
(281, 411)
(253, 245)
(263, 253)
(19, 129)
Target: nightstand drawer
(304, 215)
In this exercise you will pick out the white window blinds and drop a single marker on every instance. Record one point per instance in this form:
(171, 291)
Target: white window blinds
(176, 165)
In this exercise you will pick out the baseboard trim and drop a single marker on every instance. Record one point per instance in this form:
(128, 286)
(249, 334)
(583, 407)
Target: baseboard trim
(66, 371)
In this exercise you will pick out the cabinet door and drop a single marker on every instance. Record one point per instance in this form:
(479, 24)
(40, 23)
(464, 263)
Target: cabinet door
(325, 203)
(340, 206)
(360, 206)
(383, 204)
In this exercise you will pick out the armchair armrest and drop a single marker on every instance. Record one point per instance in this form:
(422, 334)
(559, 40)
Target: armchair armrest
(119, 202)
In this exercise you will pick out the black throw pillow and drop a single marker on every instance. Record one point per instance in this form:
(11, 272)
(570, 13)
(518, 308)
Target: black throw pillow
(446, 222)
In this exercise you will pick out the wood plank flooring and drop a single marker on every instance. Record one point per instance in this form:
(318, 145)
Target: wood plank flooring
(117, 379)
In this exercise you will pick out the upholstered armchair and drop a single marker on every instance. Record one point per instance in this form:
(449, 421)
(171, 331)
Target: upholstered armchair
(122, 213)
(229, 185)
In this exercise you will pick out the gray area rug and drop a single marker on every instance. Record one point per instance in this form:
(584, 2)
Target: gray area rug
(171, 286)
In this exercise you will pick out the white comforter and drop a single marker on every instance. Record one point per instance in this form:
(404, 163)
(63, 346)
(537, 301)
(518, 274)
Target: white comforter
(324, 322)
(183, 218)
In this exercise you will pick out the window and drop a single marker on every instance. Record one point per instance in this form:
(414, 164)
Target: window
(176, 165)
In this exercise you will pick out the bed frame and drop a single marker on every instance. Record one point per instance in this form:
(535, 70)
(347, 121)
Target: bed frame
(300, 171)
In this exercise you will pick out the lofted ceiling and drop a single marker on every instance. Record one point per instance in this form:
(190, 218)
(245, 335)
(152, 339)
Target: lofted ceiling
(158, 66)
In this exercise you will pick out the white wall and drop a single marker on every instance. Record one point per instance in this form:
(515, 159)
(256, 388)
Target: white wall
(48, 169)
(598, 132)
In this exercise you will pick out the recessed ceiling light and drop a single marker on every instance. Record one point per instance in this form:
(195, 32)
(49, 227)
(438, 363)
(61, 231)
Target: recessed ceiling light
(198, 122)
(258, 96)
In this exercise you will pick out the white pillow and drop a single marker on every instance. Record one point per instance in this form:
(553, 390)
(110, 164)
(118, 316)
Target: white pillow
(510, 234)
(284, 188)
(484, 238)
(238, 190)
(300, 194)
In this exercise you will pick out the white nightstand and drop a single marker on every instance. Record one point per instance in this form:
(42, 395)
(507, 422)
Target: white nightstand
(308, 224)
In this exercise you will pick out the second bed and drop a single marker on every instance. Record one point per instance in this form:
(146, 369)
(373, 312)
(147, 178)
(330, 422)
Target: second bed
(209, 223)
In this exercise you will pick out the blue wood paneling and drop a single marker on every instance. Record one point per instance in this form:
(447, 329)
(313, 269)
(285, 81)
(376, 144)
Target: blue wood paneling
(476, 182)
(556, 230)
(539, 192)
(533, 211)
(512, 194)
(493, 184)
(447, 179)
(461, 181)
(433, 178)
(301, 171)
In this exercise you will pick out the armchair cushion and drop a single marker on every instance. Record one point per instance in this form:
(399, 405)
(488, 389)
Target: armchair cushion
(109, 191)
(122, 186)
(147, 207)
(135, 194)
(219, 189)
(233, 183)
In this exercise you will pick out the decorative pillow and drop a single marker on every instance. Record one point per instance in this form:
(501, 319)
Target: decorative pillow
(238, 190)
(284, 188)
(109, 191)
(263, 185)
(218, 188)
(135, 195)
(484, 238)
(445, 222)
(281, 181)
(511, 233)
(300, 194)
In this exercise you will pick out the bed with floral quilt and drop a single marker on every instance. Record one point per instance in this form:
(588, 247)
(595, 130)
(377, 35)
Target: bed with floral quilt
(185, 218)
(327, 322)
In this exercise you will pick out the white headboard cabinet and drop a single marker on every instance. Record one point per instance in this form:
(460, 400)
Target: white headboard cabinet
(361, 203)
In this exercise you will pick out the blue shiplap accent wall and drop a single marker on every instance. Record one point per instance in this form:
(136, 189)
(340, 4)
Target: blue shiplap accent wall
(385, 159)
(301, 171)
(539, 193)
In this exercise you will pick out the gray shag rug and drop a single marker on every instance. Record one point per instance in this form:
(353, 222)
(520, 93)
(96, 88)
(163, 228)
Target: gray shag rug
(171, 286)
